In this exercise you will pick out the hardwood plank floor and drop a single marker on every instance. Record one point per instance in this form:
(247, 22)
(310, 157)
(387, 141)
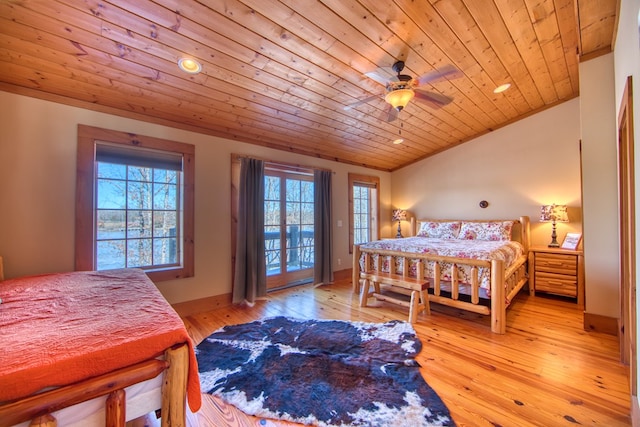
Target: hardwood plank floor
(546, 370)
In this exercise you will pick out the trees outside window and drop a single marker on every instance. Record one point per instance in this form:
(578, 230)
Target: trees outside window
(364, 206)
(288, 226)
(134, 203)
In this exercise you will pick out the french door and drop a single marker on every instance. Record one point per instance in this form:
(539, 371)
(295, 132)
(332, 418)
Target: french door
(288, 227)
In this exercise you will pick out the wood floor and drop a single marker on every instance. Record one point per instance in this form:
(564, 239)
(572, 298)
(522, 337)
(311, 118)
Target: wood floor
(546, 370)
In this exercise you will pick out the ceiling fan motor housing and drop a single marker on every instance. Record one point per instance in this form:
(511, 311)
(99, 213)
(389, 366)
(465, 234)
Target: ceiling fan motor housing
(398, 66)
(403, 86)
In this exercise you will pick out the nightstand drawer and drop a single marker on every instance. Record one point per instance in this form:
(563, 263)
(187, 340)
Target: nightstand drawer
(557, 263)
(557, 271)
(559, 284)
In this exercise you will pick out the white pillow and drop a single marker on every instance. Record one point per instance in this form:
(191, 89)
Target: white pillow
(490, 230)
(439, 229)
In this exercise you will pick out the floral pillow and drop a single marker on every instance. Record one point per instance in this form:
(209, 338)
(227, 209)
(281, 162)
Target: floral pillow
(440, 230)
(493, 230)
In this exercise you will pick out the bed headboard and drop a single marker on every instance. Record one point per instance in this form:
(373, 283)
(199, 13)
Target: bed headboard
(520, 232)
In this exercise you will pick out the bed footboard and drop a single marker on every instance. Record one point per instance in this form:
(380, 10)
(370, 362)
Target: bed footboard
(39, 407)
(504, 283)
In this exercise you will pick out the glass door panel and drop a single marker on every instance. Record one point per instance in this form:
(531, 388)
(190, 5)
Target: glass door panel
(291, 232)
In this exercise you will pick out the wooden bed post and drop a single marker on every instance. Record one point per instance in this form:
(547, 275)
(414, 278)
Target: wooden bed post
(498, 303)
(115, 409)
(44, 421)
(355, 266)
(525, 233)
(174, 387)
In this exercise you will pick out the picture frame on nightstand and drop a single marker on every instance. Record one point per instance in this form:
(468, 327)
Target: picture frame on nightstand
(571, 241)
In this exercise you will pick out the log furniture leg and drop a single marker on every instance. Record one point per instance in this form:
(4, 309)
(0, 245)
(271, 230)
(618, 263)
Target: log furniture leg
(364, 293)
(44, 421)
(498, 303)
(414, 287)
(413, 310)
(424, 300)
(174, 387)
(115, 409)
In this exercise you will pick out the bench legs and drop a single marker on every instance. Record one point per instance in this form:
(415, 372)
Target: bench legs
(364, 292)
(419, 299)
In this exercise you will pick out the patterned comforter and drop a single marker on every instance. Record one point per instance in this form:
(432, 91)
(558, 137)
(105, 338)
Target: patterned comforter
(507, 251)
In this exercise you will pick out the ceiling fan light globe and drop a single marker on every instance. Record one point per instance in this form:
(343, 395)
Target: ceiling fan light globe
(399, 98)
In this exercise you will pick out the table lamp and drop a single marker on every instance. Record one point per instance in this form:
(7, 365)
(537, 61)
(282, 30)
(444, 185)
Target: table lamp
(553, 213)
(399, 215)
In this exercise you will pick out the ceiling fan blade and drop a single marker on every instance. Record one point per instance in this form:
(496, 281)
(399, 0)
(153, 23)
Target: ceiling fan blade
(382, 76)
(362, 101)
(448, 71)
(434, 99)
(389, 114)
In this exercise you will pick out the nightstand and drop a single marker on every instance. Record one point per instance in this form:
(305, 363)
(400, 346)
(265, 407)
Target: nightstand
(557, 271)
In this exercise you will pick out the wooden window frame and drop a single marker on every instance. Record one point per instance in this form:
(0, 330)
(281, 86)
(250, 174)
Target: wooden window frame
(373, 181)
(88, 136)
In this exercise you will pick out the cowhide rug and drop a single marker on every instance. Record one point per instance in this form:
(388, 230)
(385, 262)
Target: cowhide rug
(321, 372)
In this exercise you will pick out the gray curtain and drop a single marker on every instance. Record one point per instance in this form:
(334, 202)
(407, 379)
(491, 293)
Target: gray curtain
(250, 278)
(322, 271)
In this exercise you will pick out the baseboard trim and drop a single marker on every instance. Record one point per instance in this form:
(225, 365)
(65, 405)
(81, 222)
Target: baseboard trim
(202, 305)
(342, 274)
(598, 323)
(189, 308)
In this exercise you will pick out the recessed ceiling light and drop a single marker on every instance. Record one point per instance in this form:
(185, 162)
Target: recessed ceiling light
(189, 65)
(398, 141)
(502, 88)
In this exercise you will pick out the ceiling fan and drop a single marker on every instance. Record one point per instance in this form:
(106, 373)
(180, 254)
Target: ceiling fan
(402, 88)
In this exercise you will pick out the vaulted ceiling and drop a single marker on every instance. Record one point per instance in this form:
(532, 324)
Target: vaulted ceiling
(279, 73)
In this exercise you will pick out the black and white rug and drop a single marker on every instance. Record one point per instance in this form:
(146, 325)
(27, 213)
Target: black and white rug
(321, 372)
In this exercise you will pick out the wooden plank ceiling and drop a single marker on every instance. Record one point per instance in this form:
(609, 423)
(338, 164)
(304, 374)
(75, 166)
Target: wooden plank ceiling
(279, 73)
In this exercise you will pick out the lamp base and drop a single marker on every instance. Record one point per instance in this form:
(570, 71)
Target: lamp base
(399, 233)
(554, 243)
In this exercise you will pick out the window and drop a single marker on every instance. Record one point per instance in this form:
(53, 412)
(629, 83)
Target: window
(363, 209)
(361, 214)
(134, 204)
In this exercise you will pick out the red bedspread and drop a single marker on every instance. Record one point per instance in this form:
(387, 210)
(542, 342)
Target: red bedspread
(57, 329)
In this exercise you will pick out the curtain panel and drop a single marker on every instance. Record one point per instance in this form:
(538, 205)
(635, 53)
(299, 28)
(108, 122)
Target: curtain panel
(322, 269)
(250, 278)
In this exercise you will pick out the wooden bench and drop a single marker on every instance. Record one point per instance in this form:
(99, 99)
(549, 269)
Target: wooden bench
(414, 287)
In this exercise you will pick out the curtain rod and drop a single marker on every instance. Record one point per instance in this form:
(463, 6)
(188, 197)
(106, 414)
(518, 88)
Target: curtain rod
(237, 157)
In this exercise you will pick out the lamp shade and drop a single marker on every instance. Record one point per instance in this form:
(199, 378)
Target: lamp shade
(554, 213)
(399, 98)
(399, 215)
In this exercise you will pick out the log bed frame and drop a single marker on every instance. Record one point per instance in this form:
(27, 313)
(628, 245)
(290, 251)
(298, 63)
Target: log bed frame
(38, 407)
(505, 283)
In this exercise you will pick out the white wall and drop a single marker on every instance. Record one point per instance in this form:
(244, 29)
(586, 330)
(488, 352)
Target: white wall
(516, 168)
(37, 192)
(599, 187)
